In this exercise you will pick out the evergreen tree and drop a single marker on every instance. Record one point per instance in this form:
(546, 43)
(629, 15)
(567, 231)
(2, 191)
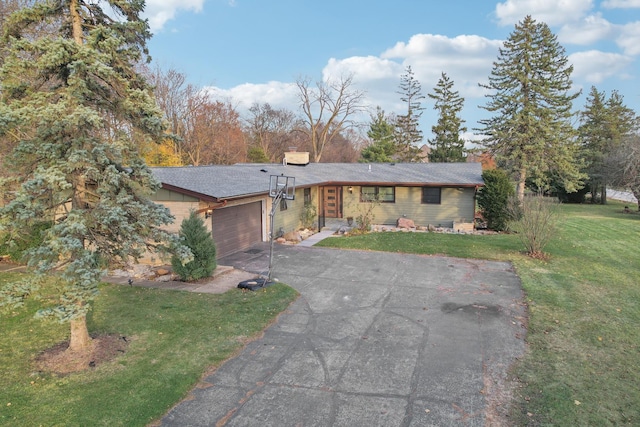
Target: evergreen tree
(76, 157)
(605, 123)
(408, 135)
(380, 134)
(256, 154)
(447, 146)
(195, 236)
(529, 94)
(493, 198)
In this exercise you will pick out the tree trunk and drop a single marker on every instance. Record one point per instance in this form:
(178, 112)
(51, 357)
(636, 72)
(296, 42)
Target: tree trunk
(636, 192)
(521, 182)
(76, 21)
(80, 339)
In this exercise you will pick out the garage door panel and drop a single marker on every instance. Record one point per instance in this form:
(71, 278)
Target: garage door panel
(237, 227)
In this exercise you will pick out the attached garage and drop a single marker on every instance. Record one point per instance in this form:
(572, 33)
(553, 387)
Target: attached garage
(237, 227)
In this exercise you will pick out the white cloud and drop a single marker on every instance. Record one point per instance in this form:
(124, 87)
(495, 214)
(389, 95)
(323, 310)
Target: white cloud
(621, 4)
(160, 11)
(629, 38)
(277, 94)
(466, 59)
(551, 12)
(365, 68)
(587, 31)
(594, 66)
(377, 77)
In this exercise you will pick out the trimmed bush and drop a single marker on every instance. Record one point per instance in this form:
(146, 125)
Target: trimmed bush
(493, 198)
(195, 236)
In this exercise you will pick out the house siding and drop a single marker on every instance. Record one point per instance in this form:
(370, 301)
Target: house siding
(180, 211)
(456, 205)
(164, 195)
(289, 220)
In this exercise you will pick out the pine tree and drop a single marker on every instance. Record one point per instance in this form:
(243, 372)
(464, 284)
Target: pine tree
(195, 236)
(408, 135)
(605, 123)
(76, 157)
(529, 94)
(380, 134)
(447, 145)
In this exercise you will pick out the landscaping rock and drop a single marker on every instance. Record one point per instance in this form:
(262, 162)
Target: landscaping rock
(162, 272)
(306, 233)
(463, 227)
(405, 223)
(293, 236)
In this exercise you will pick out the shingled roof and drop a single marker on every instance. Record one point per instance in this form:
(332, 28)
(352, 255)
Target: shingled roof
(242, 180)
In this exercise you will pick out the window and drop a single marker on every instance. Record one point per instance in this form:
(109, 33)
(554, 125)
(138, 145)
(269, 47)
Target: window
(381, 194)
(431, 195)
(307, 196)
(283, 204)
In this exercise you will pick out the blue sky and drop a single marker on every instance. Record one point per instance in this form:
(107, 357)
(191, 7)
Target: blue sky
(248, 51)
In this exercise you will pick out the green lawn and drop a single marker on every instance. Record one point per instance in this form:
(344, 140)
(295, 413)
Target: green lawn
(174, 337)
(583, 357)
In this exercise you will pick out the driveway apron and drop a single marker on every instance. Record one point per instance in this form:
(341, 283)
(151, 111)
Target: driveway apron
(375, 339)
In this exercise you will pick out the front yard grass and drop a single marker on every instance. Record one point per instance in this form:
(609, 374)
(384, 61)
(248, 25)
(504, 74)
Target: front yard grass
(583, 354)
(174, 338)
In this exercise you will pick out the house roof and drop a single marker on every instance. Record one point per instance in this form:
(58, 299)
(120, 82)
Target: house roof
(242, 180)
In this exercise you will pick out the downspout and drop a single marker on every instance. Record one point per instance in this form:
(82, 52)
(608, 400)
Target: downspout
(475, 204)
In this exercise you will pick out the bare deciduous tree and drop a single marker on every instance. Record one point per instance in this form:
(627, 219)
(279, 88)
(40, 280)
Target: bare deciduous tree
(179, 101)
(346, 147)
(213, 135)
(271, 130)
(328, 109)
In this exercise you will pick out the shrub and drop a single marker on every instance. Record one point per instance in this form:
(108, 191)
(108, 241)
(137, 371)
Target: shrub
(308, 215)
(195, 236)
(364, 218)
(493, 198)
(535, 220)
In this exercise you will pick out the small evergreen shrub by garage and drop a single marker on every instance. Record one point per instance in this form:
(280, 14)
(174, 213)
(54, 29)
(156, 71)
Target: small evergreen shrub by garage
(493, 198)
(196, 237)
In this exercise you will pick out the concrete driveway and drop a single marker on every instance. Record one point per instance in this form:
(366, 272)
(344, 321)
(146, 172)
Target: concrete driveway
(375, 339)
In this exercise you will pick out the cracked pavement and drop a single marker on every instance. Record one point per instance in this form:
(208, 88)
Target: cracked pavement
(375, 339)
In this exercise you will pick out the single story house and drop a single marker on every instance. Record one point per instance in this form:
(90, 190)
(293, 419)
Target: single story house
(235, 200)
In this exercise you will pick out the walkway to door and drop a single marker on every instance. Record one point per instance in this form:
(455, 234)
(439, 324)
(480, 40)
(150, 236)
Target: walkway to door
(375, 339)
